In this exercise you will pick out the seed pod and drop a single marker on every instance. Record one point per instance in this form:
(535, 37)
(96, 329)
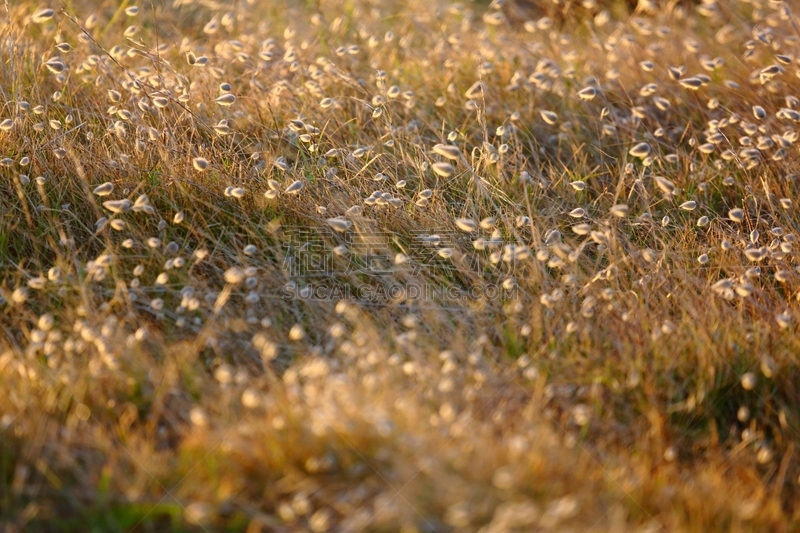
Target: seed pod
(619, 210)
(692, 84)
(749, 381)
(43, 15)
(448, 151)
(549, 117)
(443, 169)
(234, 275)
(226, 99)
(294, 188)
(200, 164)
(587, 94)
(118, 206)
(666, 186)
(105, 189)
(477, 90)
(55, 65)
(339, 224)
(466, 224)
(641, 150)
(736, 215)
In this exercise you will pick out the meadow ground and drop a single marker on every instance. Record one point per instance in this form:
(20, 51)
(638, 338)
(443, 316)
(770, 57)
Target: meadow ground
(399, 266)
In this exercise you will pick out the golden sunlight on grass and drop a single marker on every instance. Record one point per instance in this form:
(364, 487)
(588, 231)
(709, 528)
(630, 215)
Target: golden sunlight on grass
(406, 266)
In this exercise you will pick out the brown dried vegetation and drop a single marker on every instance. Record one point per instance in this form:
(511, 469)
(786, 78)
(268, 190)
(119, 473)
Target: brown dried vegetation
(398, 266)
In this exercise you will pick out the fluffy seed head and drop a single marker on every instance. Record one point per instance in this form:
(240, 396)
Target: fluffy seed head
(641, 150)
(448, 151)
(226, 99)
(118, 206)
(692, 84)
(200, 164)
(294, 188)
(749, 381)
(549, 117)
(234, 275)
(42, 15)
(587, 93)
(443, 169)
(339, 224)
(105, 189)
(619, 210)
(466, 224)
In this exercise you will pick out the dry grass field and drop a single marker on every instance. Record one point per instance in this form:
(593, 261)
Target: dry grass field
(412, 266)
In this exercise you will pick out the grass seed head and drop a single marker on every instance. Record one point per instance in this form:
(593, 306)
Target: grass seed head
(294, 188)
(549, 117)
(448, 151)
(226, 99)
(523, 200)
(736, 215)
(42, 15)
(443, 169)
(640, 150)
(200, 164)
(338, 224)
(467, 225)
